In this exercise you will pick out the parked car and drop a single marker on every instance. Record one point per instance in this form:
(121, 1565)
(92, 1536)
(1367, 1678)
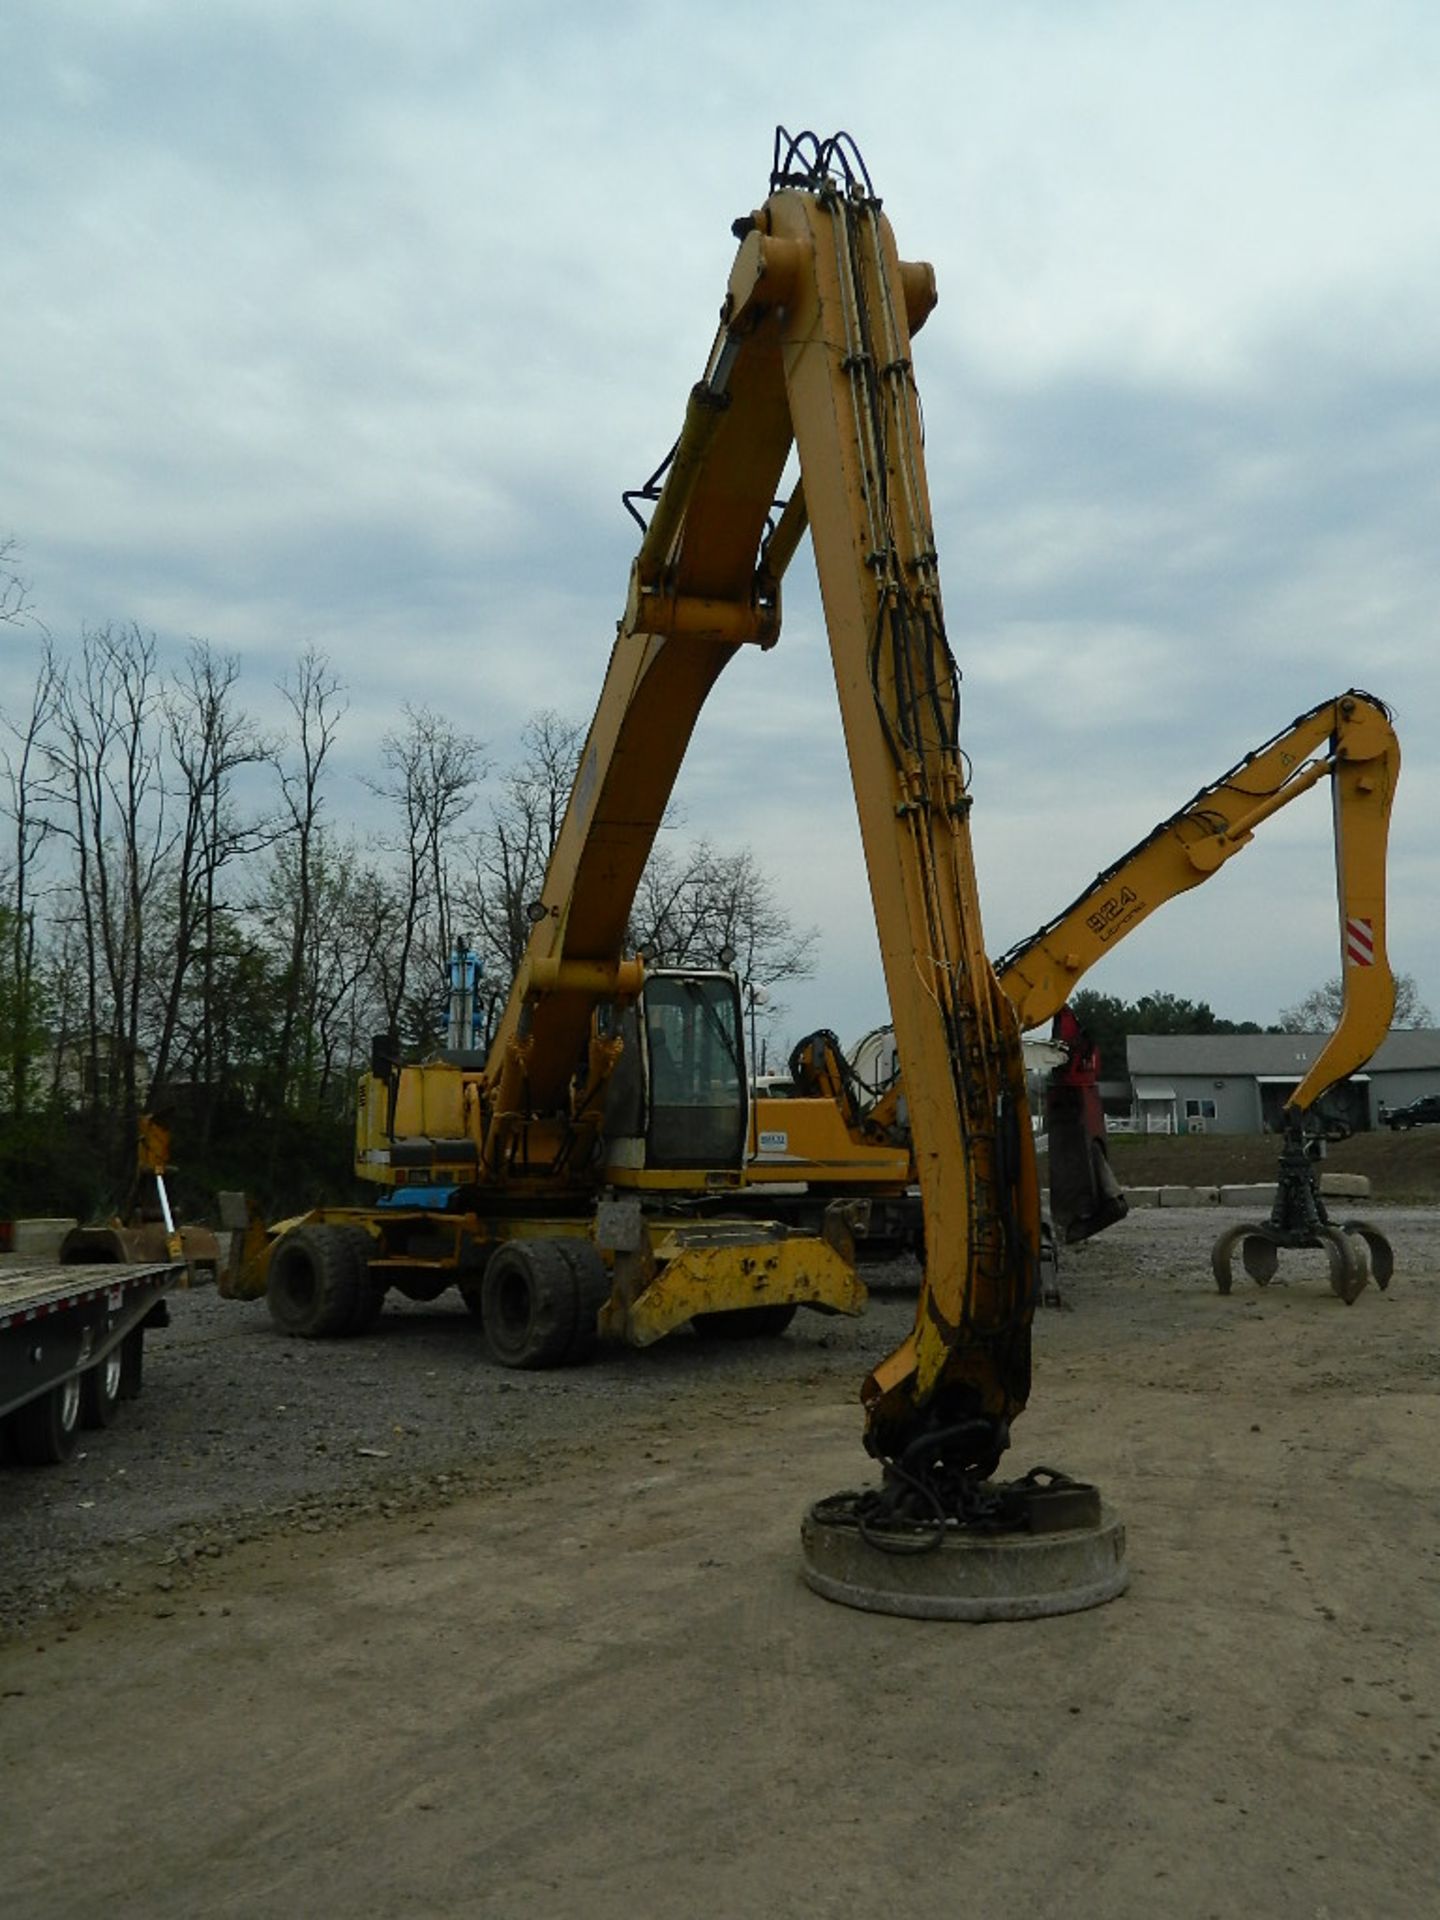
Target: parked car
(1424, 1112)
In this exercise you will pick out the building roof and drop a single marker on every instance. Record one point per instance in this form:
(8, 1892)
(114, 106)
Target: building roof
(1155, 1055)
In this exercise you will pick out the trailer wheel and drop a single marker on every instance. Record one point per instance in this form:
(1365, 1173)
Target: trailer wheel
(527, 1304)
(314, 1283)
(100, 1389)
(745, 1323)
(44, 1432)
(592, 1290)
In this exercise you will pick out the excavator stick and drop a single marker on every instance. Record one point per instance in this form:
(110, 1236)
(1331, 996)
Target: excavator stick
(820, 294)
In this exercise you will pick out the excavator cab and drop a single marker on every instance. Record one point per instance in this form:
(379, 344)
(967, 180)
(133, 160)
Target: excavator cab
(678, 1099)
(698, 1101)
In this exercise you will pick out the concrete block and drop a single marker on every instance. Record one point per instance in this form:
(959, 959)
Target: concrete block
(40, 1238)
(1260, 1195)
(1186, 1197)
(1143, 1196)
(1345, 1186)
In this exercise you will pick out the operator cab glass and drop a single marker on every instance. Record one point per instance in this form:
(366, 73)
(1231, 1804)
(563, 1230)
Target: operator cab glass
(697, 1106)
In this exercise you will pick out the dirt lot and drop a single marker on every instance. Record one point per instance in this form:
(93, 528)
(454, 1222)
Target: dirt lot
(372, 1628)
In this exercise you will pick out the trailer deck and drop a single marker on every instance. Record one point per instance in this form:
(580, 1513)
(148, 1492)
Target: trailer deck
(72, 1345)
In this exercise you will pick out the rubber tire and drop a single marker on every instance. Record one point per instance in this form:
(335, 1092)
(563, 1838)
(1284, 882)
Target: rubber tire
(313, 1286)
(745, 1323)
(44, 1431)
(528, 1301)
(371, 1286)
(101, 1387)
(592, 1290)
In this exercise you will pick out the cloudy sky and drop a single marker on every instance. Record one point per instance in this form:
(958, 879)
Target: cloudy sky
(344, 322)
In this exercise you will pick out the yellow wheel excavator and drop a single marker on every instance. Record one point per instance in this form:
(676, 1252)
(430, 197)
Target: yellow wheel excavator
(547, 1160)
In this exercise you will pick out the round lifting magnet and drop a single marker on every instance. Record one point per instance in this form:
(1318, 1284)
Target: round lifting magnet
(959, 1572)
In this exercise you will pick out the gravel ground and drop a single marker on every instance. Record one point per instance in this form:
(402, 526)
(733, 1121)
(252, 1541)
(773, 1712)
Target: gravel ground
(241, 1432)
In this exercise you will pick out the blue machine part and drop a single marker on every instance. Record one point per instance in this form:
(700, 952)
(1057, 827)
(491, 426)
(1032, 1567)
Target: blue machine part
(425, 1199)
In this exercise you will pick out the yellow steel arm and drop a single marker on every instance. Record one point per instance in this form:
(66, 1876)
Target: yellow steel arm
(1351, 740)
(847, 348)
(814, 350)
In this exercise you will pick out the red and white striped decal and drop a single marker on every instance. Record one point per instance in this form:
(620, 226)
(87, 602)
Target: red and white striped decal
(1359, 942)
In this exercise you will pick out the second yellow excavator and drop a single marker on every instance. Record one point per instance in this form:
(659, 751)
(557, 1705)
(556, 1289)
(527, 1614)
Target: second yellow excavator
(838, 1136)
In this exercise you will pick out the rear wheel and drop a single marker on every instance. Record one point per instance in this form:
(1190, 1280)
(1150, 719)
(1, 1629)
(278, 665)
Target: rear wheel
(528, 1301)
(44, 1432)
(100, 1389)
(314, 1284)
(745, 1323)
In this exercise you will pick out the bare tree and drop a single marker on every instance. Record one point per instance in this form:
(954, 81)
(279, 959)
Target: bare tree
(512, 855)
(22, 763)
(104, 774)
(15, 604)
(431, 773)
(210, 740)
(351, 921)
(697, 902)
(314, 696)
(1319, 1011)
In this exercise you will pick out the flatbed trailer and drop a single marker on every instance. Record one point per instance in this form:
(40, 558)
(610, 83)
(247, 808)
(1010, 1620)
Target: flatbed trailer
(72, 1344)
